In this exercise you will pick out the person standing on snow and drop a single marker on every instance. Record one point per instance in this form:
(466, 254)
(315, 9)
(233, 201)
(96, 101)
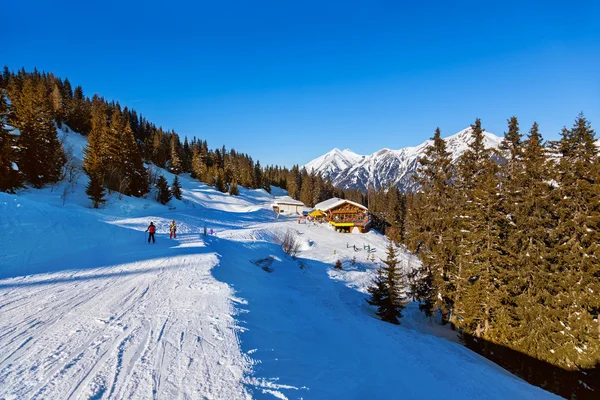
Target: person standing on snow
(151, 230)
(173, 230)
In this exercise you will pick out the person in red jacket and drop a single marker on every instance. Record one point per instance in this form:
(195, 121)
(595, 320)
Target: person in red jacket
(151, 229)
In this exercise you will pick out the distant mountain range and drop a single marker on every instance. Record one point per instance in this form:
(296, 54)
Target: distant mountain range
(385, 167)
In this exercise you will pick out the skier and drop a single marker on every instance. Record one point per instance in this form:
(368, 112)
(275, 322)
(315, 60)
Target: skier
(173, 230)
(151, 229)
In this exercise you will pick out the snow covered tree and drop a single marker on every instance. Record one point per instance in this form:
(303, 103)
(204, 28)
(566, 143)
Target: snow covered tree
(387, 291)
(176, 188)
(164, 194)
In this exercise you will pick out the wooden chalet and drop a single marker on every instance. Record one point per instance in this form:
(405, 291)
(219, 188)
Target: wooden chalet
(345, 215)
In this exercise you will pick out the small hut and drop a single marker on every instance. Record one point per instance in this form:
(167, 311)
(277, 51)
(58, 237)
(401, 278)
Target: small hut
(287, 205)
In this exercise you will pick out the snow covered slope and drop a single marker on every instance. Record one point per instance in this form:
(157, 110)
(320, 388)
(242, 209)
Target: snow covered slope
(388, 167)
(90, 310)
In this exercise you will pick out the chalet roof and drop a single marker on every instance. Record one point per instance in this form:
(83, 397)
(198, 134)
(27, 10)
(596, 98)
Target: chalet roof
(289, 201)
(334, 202)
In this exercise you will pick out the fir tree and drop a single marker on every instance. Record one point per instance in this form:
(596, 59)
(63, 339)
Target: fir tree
(198, 166)
(434, 234)
(95, 190)
(164, 194)
(133, 171)
(482, 231)
(41, 156)
(258, 178)
(387, 291)
(186, 157)
(95, 153)
(176, 188)
(575, 270)
(176, 163)
(338, 265)
(9, 173)
(524, 182)
(219, 182)
(233, 189)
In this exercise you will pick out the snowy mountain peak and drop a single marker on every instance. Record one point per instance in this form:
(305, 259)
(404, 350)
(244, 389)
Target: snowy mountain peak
(333, 162)
(386, 167)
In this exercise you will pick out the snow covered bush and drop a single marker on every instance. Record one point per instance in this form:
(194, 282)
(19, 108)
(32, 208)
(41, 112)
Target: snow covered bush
(290, 244)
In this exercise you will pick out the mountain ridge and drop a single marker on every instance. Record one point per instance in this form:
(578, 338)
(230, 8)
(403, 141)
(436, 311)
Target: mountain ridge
(385, 167)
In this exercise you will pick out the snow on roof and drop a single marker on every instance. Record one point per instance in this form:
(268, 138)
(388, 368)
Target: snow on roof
(334, 202)
(288, 200)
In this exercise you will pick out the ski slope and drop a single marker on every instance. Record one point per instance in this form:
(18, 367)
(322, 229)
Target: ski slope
(90, 310)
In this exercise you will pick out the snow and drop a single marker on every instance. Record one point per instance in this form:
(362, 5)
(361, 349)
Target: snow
(388, 167)
(89, 309)
(334, 202)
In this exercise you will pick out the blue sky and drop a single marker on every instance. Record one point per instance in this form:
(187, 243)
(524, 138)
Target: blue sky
(288, 81)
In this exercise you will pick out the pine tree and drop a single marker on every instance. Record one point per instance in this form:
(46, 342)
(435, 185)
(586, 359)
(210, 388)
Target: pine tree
(258, 178)
(526, 312)
(482, 231)
(432, 284)
(338, 265)
(95, 153)
(176, 163)
(198, 166)
(387, 291)
(58, 105)
(233, 189)
(164, 194)
(9, 174)
(575, 270)
(95, 190)
(176, 188)
(219, 182)
(186, 157)
(41, 156)
(77, 114)
(307, 188)
(133, 171)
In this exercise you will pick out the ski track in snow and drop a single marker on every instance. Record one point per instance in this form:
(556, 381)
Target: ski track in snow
(138, 333)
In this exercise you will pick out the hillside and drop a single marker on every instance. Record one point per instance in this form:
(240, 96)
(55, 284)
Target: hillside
(386, 167)
(91, 310)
